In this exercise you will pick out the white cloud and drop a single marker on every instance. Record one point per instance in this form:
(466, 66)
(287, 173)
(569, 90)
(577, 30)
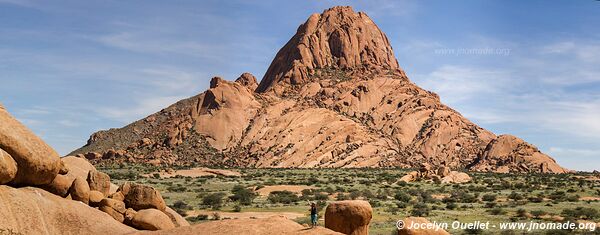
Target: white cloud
(457, 84)
(170, 79)
(142, 108)
(149, 43)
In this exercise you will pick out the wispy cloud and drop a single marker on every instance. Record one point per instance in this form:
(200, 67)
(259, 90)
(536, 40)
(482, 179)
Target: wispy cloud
(140, 109)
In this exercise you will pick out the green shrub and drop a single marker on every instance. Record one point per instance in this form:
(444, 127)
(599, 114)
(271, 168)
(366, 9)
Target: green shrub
(214, 200)
(285, 197)
(420, 210)
(242, 195)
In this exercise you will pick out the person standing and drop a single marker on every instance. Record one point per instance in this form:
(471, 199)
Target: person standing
(313, 214)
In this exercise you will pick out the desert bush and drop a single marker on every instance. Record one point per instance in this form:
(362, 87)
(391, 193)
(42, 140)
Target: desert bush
(420, 210)
(538, 213)
(242, 195)
(285, 197)
(581, 213)
(402, 197)
(489, 197)
(214, 200)
(497, 211)
(451, 206)
(515, 196)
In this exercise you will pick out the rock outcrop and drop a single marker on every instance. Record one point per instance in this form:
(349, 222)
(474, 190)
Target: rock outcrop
(334, 96)
(64, 188)
(349, 217)
(275, 225)
(32, 210)
(442, 174)
(508, 153)
(339, 38)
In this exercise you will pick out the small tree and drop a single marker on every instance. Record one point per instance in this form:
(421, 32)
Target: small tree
(242, 195)
(489, 197)
(214, 200)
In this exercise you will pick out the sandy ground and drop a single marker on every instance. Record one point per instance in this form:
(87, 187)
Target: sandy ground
(589, 198)
(245, 215)
(292, 188)
(195, 172)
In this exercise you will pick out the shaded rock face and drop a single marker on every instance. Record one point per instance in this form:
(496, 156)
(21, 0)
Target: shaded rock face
(338, 38)
(248, 80)
(334, 96)
(349, 217)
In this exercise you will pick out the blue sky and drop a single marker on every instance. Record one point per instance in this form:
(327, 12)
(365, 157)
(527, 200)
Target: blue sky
(528, 68)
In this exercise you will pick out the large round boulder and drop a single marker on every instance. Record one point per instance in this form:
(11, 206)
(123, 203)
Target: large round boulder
(176, 218)
(78, 167)
(95, 198)
(60, 185)
(99, 181)
(141, 197)
(80, 190)
(151, 219)
(8, 167)
(37, 162)
(456, 177)
(31, 210)
(349, 217)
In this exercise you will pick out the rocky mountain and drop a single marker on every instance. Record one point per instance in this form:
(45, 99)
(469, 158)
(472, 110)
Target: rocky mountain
(334, 96)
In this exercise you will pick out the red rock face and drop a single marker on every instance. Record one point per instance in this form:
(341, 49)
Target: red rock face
(334, 96)
(338, 38)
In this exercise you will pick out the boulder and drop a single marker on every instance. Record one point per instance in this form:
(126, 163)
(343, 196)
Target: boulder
(410, 177)
(420, 220)
(151, 219)
(141, 197)
(80, 190)
(31, 210)
(99, 181)
(113, 213)
(456, 177)
(118, 206)
(37, 163)
(129, 214)
(176, 218)
(95, 198)
(443, 171)
(60, 185)
(8, 167)
(248, 80)
(349, 217)
(63, 168)
(275, 225)
(78, 167)
(117, 196)
(114, 208)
